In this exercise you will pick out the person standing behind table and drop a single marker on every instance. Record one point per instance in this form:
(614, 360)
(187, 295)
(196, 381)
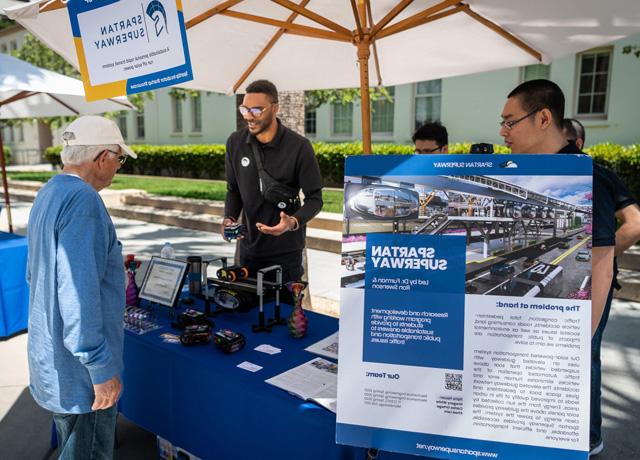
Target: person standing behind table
(431, 138)
(532, 123)
(628, 213)
(273, 236)
(77, 292)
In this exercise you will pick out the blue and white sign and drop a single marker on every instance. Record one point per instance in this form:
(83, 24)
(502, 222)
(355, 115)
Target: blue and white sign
(465, 306)
(127, 46)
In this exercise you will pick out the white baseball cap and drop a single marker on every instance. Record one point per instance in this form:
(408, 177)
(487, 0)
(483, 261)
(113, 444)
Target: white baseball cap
(94, 130)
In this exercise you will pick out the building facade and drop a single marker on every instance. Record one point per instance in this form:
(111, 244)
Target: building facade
(601, 88)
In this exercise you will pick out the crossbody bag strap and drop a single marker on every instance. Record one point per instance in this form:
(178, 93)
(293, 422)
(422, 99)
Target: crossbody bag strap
(258, 160)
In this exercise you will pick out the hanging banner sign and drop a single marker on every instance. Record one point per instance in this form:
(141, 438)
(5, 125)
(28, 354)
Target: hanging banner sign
(126, 46)
(465, 324)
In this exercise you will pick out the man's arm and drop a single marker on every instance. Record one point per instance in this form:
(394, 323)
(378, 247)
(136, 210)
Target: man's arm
(233, 200)
(81, 262)
(629, 232)
(601, 280)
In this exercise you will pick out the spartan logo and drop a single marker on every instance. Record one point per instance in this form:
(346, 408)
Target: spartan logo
(156, 12)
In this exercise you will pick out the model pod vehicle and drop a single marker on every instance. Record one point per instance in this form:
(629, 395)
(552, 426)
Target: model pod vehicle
(233, 231)
(233, 273)
(229, 341)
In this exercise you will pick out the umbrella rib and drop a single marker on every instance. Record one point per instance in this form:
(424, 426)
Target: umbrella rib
(504, 33)
(315, 17)
(266, 49)
(17, 97)
(359, 30)
(391, 15)
(289, 28)
(419, 19)
(219, 8)
(63, 103)
(376, 62)
(52, 5)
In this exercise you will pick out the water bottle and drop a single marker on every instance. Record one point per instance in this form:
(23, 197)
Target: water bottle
(167, 251)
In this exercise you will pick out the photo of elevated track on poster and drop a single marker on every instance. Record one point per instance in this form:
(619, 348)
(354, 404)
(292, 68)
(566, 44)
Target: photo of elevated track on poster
(465, 305)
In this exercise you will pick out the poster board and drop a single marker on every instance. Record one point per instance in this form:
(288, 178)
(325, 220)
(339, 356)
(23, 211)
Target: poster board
(126, 47)
(465, 318)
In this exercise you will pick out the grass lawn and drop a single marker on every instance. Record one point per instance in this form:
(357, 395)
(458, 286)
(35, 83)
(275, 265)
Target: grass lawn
(184, 188)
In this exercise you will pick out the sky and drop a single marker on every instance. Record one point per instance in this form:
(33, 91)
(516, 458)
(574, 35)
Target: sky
(572, 189)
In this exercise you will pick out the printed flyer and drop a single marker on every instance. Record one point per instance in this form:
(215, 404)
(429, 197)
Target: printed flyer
(465, 320)
(127, 47)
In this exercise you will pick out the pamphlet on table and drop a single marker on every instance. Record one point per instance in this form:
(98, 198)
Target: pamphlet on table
(315, 381)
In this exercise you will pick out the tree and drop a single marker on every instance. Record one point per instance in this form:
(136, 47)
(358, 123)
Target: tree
(315, 98)
(632, 49)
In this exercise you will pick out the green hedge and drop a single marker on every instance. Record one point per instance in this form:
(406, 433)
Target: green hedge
(206, 161)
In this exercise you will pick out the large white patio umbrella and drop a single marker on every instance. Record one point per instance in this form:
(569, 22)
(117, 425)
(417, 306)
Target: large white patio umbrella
(27, 91)
(314, 44)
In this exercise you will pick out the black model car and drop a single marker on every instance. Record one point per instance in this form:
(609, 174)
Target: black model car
(194, 334)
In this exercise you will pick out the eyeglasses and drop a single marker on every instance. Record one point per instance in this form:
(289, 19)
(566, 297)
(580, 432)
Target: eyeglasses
(122, 159)
(254, 111)
(423, 151)
(510, 124)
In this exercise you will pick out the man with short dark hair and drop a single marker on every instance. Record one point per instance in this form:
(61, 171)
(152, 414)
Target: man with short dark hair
(275, 234)
(431, 138)
(532, 123)
(573, 131)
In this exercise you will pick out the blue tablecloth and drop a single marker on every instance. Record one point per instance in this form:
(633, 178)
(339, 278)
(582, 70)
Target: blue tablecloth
(198, 399)
(14, 292)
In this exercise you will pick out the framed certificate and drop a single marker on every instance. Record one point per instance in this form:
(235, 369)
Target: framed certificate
(163, 281)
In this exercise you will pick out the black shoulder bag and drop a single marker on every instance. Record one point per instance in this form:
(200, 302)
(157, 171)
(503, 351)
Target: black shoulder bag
(281, 195)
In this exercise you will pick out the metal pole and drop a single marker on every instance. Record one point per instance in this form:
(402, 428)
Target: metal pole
(5, 185)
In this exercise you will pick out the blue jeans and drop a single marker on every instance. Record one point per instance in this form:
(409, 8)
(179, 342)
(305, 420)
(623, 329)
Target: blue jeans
(595, 424)
(87, 436)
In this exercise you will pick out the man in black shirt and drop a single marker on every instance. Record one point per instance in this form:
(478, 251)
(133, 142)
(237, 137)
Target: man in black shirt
(273, 236)
(533, 123)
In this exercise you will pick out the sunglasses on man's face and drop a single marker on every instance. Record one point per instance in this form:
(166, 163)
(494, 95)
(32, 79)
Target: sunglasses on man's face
(254, 111)
(122, 159)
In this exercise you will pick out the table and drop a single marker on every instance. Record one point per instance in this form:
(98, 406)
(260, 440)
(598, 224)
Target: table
(199, 400)
(14, 291)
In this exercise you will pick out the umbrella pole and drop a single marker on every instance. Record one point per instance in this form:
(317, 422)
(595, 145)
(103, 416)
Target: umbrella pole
(5, 184)
(365, 106)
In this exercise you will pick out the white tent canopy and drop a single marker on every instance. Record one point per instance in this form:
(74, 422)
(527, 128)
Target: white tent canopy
(229, 38)
(52, 94)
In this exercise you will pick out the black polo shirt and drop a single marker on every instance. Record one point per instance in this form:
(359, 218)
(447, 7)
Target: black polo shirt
(609, 195)
(288, 158)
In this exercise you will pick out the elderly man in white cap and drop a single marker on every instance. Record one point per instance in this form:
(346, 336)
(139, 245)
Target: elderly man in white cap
(77, 298)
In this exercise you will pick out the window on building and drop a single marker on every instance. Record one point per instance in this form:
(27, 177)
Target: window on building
(122, 124)
(428, 102)
(535, 72)
(13, 45)
(342, 123)
(196, 113)
(593, 85)
(20, 129)
(382, 114)
(3, 48)
(140, 124)
(310, 122)
(176, 105)
(8, 133)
